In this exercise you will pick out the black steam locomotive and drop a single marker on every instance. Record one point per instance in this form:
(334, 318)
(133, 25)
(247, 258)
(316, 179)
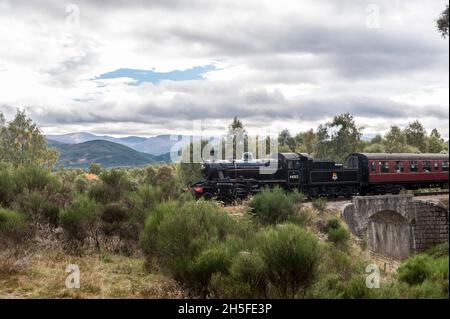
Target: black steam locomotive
(365, 173)
(237, 179)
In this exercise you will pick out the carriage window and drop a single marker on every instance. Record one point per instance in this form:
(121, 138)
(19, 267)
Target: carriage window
(426, 166)
(399, 167)
(384, 167)
(445, 166)
(413, 166)
(436, 166)
(373, 167)
(290, 165)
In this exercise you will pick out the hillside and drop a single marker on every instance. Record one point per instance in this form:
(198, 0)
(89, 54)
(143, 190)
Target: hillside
(157, 145)
(106, 153)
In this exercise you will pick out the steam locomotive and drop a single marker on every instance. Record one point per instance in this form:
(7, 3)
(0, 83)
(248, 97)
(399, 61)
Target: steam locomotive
(363, 174)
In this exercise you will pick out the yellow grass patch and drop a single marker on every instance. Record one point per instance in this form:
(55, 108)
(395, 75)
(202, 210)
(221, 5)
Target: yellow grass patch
(101, 276)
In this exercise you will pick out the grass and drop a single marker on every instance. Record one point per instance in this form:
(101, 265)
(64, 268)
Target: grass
(101, 276)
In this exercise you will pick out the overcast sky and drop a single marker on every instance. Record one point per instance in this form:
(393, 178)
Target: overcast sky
(152, 67)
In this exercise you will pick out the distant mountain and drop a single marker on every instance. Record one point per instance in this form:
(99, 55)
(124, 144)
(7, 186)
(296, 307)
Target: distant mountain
(106, 153)
(73, 138)
(158, 145)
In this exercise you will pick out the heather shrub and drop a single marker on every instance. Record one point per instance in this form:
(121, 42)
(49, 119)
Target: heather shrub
(30, 203)
(186, 241)
(50, 213)
(303, 217)
(421, 276)
(37, 206)
(95, 168)
(32, 178)
(81, 184)
(81, 219)
(215, 259)
(320, 204)
(415, 270)
(339, 237)
(116, 182)
(333, 223)
(164, 174)
(98, 192)
(355, 288)
(13, 226)
(272, 206)
(297, 197)
(150, 174)
(437, 251)
(190, 173)
(149, 196)
(291, 255)
(246, 278)
(113, 217)
(337, 234)
(6, 184)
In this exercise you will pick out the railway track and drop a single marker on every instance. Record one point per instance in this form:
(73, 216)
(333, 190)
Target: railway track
(416, 194)
(339, 199)
(431, 193)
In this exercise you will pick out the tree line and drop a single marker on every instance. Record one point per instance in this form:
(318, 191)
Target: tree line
(342, 136)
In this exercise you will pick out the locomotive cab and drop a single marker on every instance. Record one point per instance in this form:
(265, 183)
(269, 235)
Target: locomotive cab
(293, 169)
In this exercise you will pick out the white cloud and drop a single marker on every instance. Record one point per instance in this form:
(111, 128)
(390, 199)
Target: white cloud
(280, 64)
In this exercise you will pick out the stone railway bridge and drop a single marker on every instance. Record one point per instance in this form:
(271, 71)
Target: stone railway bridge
(397, 226)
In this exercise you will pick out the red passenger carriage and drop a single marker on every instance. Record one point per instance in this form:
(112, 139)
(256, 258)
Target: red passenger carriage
(390, 172)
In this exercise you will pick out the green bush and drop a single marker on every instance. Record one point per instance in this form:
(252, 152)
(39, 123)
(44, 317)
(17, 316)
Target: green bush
(246, 278)
(190, 173)
(212, 260)
(297, 197)
(32, 178)
(437, 251)
(50, 213)
(170, 190)
(164, 175)
(302, 218)
(420, 276)
(415, 270)
(333, 286)
(117, 182)
(95, 168)
(114, 213)
(38, 207)
(184, 240)
(31, 203)
(149, 196)
(13, 226)
(81, 219)
(291, 255)
(272, 206)
(339, 262)
(150, 176)
(337, 234)
(98, 192)
(6, 184)
(333, 223)
(115, 221)
(320, 204)
(355, 288)
(339, 237)
(81, 184)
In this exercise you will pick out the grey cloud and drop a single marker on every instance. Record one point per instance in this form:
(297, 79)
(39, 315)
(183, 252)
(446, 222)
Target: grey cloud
(216, 104)
(330, 52)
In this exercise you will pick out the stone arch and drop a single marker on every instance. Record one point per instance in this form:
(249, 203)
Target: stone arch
(389, 234)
